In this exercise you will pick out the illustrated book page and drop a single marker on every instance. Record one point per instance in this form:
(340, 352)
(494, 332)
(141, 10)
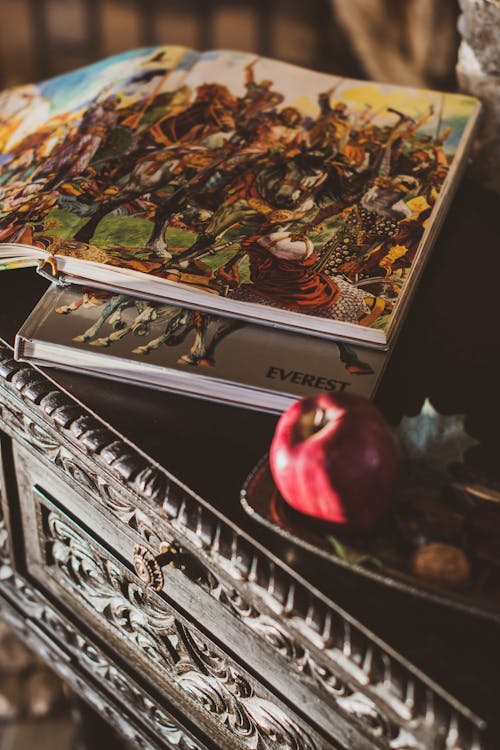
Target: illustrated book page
(232, 183)
(166, 346)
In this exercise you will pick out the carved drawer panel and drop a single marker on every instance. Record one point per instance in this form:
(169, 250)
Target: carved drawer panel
(201, 592)
(349, 686)
(144, 721)
(5, 563)
(157, 640)
(221, 608)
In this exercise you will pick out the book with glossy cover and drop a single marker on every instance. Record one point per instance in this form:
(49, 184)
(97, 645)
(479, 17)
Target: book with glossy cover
(234, 184)
(190, 351)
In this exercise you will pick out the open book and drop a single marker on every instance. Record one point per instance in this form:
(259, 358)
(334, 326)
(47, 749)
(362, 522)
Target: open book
(233, 184)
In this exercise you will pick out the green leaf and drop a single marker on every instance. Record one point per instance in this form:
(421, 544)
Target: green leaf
(433, 440)
(353, 557)
(338, 548)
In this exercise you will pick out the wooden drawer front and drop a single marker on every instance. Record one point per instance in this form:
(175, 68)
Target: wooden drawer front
(157, 641)
(327, 700)
(144, 722)
(86, 667)
(5, 555)
(348, 685)
(332, 701)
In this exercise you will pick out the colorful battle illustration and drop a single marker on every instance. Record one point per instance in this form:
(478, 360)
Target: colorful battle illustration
(240, 176)
(112, 318)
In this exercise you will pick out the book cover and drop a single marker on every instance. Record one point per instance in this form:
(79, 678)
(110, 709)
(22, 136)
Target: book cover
(236, 184)
(190, 351)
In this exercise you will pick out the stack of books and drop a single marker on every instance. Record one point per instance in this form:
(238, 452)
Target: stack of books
(221, 224)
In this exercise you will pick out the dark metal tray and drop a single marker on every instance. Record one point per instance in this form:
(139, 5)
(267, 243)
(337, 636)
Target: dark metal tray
(262, 501)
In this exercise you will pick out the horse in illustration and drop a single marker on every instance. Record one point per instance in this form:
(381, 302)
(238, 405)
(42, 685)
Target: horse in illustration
(176, 324)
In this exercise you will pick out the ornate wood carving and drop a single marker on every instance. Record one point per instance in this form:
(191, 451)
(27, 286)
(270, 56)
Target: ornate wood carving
(377, 691)
(92, 659)
(5, 561)
(190, 662)
(109, 494)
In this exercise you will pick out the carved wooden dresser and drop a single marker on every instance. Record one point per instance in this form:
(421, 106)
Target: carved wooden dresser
(179, 619)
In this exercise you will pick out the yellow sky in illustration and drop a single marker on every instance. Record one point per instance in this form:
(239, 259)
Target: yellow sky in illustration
(306, 106)
(358, 97)
(412, 102)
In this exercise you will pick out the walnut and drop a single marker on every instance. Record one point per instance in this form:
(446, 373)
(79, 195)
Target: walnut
(442, 564)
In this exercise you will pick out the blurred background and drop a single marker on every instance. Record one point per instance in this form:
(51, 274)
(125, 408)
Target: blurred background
(413, 42)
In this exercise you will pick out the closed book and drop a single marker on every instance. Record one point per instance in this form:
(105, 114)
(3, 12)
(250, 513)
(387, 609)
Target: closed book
(189, 351)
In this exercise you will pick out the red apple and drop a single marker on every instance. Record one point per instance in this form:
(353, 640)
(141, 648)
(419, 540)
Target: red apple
(333, 456)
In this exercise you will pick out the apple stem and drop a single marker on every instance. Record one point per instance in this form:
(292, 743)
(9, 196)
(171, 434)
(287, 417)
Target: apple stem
(312, 422)
(319, 419)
